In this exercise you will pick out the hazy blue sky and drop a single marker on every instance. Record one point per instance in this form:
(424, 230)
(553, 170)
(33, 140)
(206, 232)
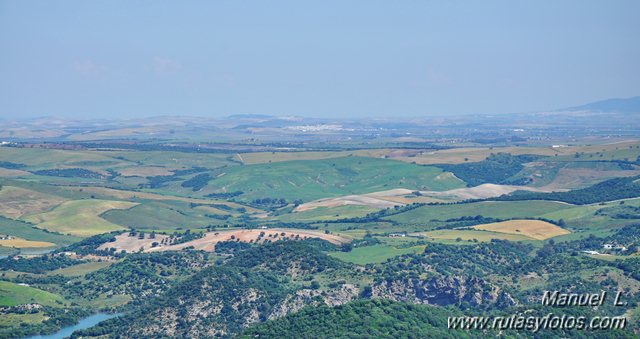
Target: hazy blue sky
(313, 58)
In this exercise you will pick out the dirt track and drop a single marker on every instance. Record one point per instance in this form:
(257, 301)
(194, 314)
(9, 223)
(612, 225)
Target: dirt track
(478, 192)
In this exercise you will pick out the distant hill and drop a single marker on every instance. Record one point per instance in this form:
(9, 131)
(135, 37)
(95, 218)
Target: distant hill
(250, 116)
(627, 105)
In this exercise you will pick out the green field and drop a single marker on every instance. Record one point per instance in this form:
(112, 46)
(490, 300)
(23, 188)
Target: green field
(493, 209)
(12, 319)
(27, 231)
(466, 235)
(315, 179)
(622, 151)
(13, 294)
(173, 160)
(155, 215)
(36, 158)
(375, 253)
(80, 217)
(326, 213)
(80, 269)
(578, 212)
(4, 251)
(268, 157)
(585, 218)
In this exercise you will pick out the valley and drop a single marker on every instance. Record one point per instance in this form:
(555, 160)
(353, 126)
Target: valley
(256, 241)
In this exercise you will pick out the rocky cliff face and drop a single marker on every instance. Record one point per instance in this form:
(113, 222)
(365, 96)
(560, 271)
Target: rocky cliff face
(272, 281)
(443, 291)
(307, 297)
(208, 317)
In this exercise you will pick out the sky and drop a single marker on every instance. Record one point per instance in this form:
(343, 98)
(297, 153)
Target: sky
(345, 58)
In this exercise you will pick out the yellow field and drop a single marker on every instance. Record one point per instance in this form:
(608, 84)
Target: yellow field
(466, 235)
(535, 229)
(17, 202)
(23, 243)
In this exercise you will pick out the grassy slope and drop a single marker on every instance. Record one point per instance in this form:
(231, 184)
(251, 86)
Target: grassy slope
(466, 235)
(310, 180)
(12, 319)
(160, 215)
(173, 160)
(80, 269)
(80, 217)
(17, 202)
(36, 158)
(7, 251)
(584, 211)
(13, 294)
(494, 209)
(326, 213)
(27, 231)
(267, 157)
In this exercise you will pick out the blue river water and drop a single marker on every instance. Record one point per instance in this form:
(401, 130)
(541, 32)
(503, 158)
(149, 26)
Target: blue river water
(84, 323)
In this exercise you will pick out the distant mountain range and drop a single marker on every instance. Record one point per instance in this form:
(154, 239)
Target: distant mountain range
(626, 105)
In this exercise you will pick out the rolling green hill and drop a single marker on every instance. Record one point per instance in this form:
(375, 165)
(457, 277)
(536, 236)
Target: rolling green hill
(315, 179)
(160, 215)
(24, 230)
(80, 217)
(13, 294)
(612, 189)
(492, 209)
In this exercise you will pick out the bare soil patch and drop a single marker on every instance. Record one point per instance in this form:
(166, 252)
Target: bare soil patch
(210, 239)
(478, 192)
(132, 243)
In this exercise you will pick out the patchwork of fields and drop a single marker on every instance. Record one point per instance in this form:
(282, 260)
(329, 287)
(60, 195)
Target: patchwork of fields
(325, 189)
(127, 223)
(131, 243)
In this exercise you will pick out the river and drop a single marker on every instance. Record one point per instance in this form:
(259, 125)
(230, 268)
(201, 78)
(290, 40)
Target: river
(84, 323)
